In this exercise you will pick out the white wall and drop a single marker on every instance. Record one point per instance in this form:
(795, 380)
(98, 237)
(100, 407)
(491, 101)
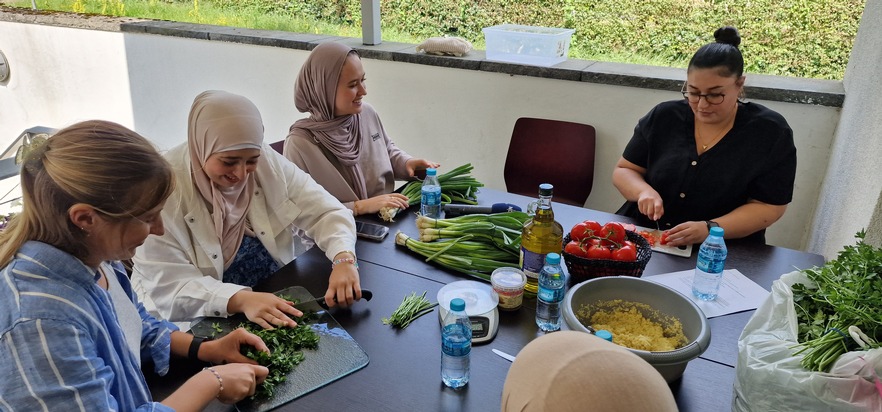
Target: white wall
(59, 76)
(453, 116)
(853, 182)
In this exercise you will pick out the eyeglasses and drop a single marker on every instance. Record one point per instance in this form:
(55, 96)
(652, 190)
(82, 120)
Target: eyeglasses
(710, 98)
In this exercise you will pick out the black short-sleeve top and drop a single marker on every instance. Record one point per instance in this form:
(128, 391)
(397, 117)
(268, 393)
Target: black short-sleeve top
(756, 159)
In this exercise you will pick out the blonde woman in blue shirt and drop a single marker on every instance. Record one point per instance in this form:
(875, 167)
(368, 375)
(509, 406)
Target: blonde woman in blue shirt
(72, 333)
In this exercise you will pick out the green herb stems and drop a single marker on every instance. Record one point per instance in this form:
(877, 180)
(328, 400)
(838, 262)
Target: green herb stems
(411, 308)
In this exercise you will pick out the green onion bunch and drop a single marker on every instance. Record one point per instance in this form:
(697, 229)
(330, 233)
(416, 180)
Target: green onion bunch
(501, 229)
(457, 186)
(469, 244)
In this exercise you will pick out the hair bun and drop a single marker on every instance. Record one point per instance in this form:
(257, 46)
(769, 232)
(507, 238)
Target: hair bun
(728, 35)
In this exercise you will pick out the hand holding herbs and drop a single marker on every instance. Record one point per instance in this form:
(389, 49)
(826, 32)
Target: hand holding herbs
(846, 299)
(411, 307)
(286, 351)
(456, 187)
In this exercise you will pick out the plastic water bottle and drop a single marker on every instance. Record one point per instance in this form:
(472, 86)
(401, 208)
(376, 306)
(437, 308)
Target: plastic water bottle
(430, 195)
(456, 345)
(552, 285)
(709, 270)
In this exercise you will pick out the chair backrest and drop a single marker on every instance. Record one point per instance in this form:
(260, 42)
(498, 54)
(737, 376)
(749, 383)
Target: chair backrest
(278, 146)
(551, 151)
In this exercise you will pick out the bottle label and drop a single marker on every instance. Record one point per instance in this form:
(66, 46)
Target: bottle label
(430, 195)
(531, 263)
(551, 295)
(454, 342)
(711, 265)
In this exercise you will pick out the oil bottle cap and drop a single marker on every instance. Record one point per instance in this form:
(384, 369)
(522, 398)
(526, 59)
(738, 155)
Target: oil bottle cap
(546, 189)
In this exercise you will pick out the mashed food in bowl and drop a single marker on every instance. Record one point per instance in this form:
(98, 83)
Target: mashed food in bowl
(635, 325)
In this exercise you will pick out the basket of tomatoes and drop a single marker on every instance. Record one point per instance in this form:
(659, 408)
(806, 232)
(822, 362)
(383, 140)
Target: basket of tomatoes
(592, 250)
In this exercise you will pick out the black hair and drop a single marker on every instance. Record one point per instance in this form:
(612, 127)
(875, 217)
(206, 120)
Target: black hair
(722, 54)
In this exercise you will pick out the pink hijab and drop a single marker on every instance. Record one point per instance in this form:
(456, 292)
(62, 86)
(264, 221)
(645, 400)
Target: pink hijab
(315, 92)
(221, 122)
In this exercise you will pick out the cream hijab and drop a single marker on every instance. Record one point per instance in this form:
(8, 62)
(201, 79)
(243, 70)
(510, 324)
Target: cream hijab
(569, 371)
(221, 122)
(315, 92)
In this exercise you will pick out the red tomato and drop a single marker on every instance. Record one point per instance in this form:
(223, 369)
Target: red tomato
(629, 243)
(629, 227)
(599, 252)
(575, 248)
(648, 236)
(591, 241)
(580, 231)
(593, 226)
(609, 244)
(613, 231)
(664, 238)
(625, 254)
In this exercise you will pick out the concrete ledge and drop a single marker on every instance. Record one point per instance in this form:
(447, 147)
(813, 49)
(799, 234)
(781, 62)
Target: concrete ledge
(764, 87)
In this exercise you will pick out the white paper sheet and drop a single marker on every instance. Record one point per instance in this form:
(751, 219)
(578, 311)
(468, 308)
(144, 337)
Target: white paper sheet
(737, 292)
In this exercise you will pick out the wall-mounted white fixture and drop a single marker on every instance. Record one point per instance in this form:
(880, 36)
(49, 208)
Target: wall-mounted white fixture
(4, 68)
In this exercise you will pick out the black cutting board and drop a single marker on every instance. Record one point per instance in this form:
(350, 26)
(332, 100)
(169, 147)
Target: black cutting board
(338, 354)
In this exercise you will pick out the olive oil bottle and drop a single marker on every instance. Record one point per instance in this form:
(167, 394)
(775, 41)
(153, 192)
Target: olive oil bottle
(541, 235)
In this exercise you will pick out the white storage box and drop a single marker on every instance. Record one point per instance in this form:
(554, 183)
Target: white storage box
(540, 46)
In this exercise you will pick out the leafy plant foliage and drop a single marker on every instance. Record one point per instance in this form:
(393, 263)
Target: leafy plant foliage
(801, 38)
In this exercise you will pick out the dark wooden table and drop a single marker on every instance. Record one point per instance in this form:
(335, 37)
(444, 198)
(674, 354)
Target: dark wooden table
(404, 369)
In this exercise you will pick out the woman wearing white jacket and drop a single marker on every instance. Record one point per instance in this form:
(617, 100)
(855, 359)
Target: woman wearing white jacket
(231, 222)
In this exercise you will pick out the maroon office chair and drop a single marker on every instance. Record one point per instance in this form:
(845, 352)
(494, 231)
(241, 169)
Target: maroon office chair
(551, 151)
(278, 146)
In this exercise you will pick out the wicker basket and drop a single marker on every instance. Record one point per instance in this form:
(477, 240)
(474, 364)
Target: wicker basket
(582, 269)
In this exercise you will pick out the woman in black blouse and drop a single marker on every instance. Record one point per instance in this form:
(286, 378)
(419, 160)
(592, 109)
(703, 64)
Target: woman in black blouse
(710, 159)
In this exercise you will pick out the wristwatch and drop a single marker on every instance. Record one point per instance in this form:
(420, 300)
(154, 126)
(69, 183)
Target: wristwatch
(710, 224)
(193, 353)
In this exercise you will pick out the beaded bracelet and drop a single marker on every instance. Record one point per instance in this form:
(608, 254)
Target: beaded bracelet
(344, 260)
(220, 381)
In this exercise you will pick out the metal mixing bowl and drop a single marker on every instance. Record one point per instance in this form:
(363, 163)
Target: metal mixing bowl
(670, 364)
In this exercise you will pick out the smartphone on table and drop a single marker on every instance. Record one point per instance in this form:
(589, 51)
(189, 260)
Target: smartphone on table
(371, 231)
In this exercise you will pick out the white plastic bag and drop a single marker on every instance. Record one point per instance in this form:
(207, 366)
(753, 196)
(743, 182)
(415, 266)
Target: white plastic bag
(770, 378)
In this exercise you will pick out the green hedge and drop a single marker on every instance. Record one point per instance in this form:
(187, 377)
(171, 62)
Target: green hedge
(801, 38)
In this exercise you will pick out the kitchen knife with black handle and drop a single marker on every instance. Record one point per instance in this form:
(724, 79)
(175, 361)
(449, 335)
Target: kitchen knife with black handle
(365, 294)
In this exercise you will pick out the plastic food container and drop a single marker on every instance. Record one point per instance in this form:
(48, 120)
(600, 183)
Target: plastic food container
(539, 46)
(509, 285)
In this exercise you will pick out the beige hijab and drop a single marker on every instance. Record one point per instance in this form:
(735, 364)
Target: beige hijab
(315, 92)
(571, 371)
(221, 122)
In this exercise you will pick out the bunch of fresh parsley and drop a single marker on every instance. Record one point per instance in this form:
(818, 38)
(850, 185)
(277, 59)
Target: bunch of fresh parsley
(847, 292)
(286, 347)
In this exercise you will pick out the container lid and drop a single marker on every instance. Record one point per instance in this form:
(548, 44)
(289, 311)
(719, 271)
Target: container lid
(508, 278)
(604, 334)
(546, 189)
(479, 297)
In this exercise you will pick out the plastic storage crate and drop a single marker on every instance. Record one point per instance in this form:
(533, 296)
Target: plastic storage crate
(539, 46)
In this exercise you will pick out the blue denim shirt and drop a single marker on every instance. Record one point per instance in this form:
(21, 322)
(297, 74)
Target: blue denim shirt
(61, 345)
